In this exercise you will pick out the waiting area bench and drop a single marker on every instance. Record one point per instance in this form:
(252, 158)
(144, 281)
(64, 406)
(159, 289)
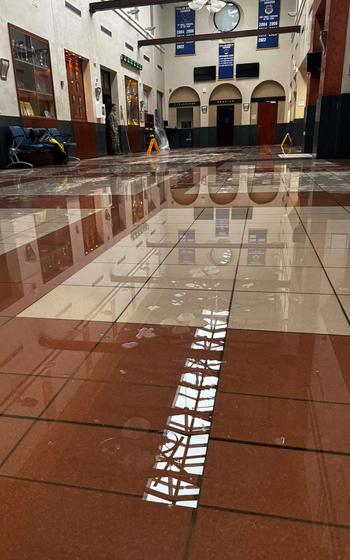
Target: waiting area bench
(26, 141)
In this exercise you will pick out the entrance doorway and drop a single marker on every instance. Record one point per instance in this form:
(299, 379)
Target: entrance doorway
(225, 121)
(184, 117)
(106, 84)
(267, 122)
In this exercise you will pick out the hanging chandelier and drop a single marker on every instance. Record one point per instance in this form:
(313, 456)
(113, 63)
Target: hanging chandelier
(213, 6)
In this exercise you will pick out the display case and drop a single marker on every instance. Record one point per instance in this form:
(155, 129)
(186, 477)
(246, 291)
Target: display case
(132, 101)
(32, 67)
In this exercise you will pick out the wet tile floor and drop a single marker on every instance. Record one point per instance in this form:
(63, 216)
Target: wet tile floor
(174, 358)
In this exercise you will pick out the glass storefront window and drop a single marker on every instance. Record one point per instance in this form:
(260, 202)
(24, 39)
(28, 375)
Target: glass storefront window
(32, 66)
(132, 101)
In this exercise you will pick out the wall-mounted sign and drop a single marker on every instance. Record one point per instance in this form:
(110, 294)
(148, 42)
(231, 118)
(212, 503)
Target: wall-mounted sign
(204, 109)
(224, 101)
(226, 55)
(269, 18)
(185, 104)
(130, 62)
(246, 106)
(185, 26)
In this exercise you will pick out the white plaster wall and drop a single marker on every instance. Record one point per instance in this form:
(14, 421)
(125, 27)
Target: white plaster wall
(274, 63)
(51, 20)
(301, 45)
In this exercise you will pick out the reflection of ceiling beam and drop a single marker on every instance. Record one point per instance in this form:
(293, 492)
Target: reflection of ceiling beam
(115, 4)
(217, 36)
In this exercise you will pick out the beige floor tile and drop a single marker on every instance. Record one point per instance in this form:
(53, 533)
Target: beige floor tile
(193, 277)
(287, 240)
(315, 211)
(174, 216)
(289, 256)
(6, 247)
(209, 256)
(334, 240)
(21, 238)
(82, 303)
(304, 280)
(331, 257)
(273, 219)
(282, 227)
(208, 227)
(273, 212)
(340, 279)
(208, 239)
(178, 307)
(346, 303)
(125, 255)
(307, 313)
(112, 275)
(324, 217)
(328, 227)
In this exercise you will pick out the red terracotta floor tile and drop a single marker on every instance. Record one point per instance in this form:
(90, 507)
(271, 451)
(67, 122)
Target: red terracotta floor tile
(296, 484)
(282, 422)
(26, 395)
(315, 199)
(342, 198)
(11, 430)
(306, 366)
(147, 354)
(86, 456)
(232, 536)
(113, 404)
(57, 523)
(47, 346)
(4, 320)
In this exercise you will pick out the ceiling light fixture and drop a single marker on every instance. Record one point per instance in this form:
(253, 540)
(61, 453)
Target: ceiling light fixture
(213, 6)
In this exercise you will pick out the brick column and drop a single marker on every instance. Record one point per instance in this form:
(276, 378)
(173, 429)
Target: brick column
(332, 126)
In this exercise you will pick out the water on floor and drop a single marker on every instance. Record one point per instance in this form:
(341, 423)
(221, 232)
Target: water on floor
(174, 358)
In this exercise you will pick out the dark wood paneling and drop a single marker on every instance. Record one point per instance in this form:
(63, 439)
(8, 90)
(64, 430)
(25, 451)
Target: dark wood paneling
(37, 122)
(214, 36)
(117, 4)
(135, 139)
(85, 137)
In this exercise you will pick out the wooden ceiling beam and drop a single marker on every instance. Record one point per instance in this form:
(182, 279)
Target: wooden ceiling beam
(117, 4)
(217, 36)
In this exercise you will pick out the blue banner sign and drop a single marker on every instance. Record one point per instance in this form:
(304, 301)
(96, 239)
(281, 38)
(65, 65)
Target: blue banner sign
(269, 18)
(185, 27)
(226, 55)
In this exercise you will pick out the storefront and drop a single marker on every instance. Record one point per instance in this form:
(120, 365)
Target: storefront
(33, 75)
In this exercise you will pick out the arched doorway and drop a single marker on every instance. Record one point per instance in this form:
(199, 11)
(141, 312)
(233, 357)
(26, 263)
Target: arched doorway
(184, 114)
(225, 112)
(268, 103)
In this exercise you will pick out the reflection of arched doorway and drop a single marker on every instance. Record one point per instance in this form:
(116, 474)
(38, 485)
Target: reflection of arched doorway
(262, 197)
(225, 111)
(223, 198)
(268, 103)
(184, 113)
(183, 197)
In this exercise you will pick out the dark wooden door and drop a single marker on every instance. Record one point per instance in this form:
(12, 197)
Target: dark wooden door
(225, 120)
(75, 77)
(107, 101)
(267, 122)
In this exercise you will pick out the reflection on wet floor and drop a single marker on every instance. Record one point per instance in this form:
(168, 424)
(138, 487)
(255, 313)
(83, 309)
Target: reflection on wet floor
(174, 332)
